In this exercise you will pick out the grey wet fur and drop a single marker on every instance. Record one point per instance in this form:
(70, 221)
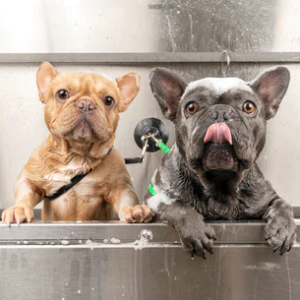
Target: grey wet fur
(199, 181)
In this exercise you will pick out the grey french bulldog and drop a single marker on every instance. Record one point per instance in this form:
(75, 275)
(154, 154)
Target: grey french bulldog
(211, 172)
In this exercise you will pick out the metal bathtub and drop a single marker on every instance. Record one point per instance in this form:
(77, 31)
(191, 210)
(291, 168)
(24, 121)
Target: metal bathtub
(112, 260)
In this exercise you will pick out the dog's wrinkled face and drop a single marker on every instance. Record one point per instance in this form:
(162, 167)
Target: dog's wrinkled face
(84, 107)
(220, 123)
(225, 124)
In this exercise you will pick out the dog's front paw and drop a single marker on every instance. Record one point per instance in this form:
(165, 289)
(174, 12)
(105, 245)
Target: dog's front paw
(196, 237)
(280, 230)
(18, 214)
(138, 214)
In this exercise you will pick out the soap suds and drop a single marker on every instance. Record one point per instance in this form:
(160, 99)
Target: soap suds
(64, 242)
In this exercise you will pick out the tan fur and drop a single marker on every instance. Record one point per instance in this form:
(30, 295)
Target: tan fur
(79, 141)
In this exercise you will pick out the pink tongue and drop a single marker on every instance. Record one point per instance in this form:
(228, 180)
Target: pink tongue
(218, 133)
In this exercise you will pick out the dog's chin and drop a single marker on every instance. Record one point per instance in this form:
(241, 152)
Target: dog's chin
(219, 157)
(83, 131)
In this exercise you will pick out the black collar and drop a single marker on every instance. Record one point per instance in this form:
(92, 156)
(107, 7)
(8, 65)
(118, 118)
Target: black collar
(74, 180)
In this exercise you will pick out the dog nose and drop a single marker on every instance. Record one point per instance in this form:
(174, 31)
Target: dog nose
(86, 105)
(220, 113)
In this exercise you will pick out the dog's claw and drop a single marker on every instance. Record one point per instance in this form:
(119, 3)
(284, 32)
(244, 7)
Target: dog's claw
(282, 252)
(138, 214)
(17, 214)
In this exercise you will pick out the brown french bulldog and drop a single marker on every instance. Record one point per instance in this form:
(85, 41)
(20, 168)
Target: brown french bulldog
(76, 170)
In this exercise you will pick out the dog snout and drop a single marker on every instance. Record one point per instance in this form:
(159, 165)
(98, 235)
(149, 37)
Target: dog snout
(220, 113)
(85, 105)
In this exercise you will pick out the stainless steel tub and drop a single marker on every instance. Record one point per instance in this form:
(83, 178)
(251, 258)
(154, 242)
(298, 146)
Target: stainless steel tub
(65, 260)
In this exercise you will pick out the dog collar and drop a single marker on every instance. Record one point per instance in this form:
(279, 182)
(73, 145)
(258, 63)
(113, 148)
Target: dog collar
(74, 180)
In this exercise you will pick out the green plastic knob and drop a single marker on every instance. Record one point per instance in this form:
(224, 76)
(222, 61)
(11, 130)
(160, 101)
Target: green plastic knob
(162, 146)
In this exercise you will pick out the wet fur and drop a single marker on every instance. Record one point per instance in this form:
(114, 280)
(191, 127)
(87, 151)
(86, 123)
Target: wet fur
(188, 190)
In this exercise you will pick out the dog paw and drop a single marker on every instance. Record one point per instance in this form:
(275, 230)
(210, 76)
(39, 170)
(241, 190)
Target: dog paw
(17, 214)
(197, 237)
(138, 214)
(280, 231)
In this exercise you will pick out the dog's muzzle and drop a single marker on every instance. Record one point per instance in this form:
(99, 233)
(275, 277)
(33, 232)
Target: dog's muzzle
(218, 150)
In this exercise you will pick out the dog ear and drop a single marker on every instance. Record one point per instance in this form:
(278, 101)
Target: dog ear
(271, 86)
(45, 74)
(167, 87)
(129, 86)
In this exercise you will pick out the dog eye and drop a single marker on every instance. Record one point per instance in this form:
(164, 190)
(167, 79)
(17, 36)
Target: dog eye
(191, 108)
(249, 107)
(108, 101)
(62, 94)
